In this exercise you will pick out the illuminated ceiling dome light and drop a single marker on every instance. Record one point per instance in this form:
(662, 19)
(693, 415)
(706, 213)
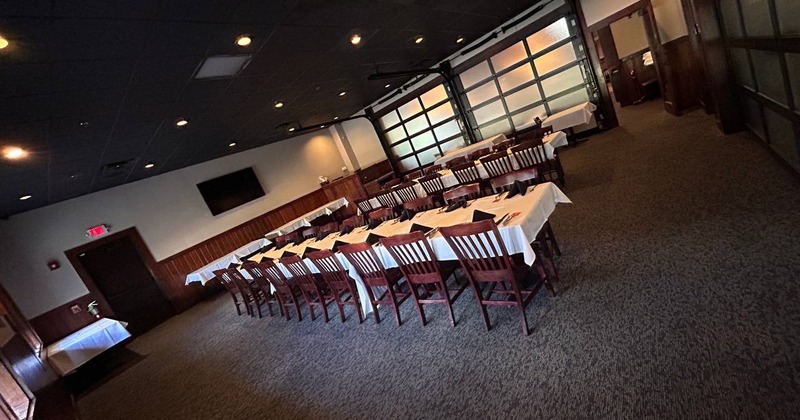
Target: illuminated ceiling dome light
(419, 39)
(149, 165)
(14, 153)
(388, 85)
(181, 122)
(459, 40)
(355, 39)
(3, 43)
(243, 40)
(342, 93)
(231, 144)
(25, 197)
(291, 129)
(278, 104)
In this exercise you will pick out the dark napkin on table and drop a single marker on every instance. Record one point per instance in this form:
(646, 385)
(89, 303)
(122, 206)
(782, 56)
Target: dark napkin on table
(346, 229)
(308, 249)
(518, 187)
(406, 215)
(478, 215)
(287, 254)
(421, 228)
(373, 224)
(455, 205)
(299, 240)
(233, 265)
(322, 235)
(267, 248)
(265, 259)
(336, 245)
(372, 238)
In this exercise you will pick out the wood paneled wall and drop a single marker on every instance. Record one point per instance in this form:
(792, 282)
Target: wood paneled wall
(683, 74)
(60, 322)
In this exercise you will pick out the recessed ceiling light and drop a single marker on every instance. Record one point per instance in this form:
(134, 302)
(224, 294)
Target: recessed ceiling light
(355, 39)
(322, 126)
(459, 40)
(419, 39)
(291, 129)
(243, 40)
(3, 43)
(388, 85)
(14, 153)
(278, 104)
(335, 118)
(342, 93)
(180, 122)
(231, 144)
(149, 165)
(84, 123)
(25, 197)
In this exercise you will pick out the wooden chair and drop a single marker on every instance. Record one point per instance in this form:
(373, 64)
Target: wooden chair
(383, 214)
(355, 221)
(497, 164)
(366, 262)
(420, 204)
(528, 176)
(249, 295)
(260, 280)
(532, 154)
(281, 241)
(466, 173)
(287, 292)
(231, 288)
(536, 133)
(391, 183)
(479, 154)
(469, 192)
(314, 292)
(364, 205)
(413, 175)
(339, 282)
(417, 262)
(504, 145)
(386, 198)
(482, 253)
(455, 161)
(310, 232)
(406, 191)
(432, 169)
(328, 228)
(433, 185)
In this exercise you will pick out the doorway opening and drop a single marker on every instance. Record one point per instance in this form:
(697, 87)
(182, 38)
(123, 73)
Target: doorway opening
(119, 272)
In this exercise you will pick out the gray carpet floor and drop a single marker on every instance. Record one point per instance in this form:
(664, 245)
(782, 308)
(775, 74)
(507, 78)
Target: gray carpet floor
(678, 298)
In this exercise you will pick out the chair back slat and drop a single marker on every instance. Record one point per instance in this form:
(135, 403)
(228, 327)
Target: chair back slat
(364, 205)
(363, 257)
(300, 272)
(455, 161)
(466, 173)
(414, 257)
(258, 275)
(432, 184)
(386, 198)
(406, 191)
(497, 164)
(530, 154)
(469, 192)
(528, 176)
(480, 249)
(331, 269)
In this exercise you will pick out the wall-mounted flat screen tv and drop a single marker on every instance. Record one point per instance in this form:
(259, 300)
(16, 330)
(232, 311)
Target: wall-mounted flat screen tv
(230, 191)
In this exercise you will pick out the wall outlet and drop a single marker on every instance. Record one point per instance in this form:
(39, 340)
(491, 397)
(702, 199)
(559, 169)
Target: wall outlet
(75, 309)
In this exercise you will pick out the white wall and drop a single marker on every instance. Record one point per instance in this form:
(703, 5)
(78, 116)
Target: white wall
(629, 35)
(364, 141)
(597, 10)
(668, 14)
(167, 210)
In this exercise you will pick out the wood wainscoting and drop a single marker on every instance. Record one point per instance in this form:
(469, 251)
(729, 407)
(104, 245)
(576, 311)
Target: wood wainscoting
(60, 322)
(684, 76)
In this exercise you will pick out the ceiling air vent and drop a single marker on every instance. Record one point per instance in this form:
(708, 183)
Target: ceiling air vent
(115, 169)
(220, 66)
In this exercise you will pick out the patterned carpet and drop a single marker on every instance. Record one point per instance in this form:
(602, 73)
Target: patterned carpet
(678, 299)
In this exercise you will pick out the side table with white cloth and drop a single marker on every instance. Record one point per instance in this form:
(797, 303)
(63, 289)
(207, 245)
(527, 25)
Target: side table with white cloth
(76, 349)
(571, 117)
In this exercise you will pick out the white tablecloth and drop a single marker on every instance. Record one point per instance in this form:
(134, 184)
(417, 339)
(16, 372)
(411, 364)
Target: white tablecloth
(305, 220)
(571, 117)
(534, 210)
(81, 346)
(206, 273)
(466, 150)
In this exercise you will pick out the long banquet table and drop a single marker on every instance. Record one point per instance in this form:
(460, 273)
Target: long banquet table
(466, 150)
(534, 209)
(206, 272)
(305, 220)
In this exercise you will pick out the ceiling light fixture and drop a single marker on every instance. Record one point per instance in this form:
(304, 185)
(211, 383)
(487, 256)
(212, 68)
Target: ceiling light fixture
(181, 122)
(388, 85)
(149, 165)
(291, 129)
(14, 153)
(335, 118)
(243, 40)
(3, 43)
(25, 197)
(231, 144)
(342, 93)
(355, 39)
(459, 40)
(322, 126)
(419, 39)
(278, 104)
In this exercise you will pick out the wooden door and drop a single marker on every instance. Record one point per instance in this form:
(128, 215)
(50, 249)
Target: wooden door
(120, 274)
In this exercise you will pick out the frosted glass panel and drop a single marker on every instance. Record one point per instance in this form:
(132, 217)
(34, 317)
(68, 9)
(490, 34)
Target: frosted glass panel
(433, 96)
(753, 117)
(562, 81)
(527, 118)
(781, 137)
(730, 19)
(501, 126)
(793, 64)
(475, 74)
(515, 77)
(769, 76)
(396, 135)
(416, 125)
(548, 36)
(441, 113)
(402, 149)
(428, 156)
(489, 112)
(389, 120)
(523, 98)
(423, 140)
(447, 130)
(456, 143)
(568, 101)
(509, 56)
(410, 109)
(555, 59)
(788, 16)
(741, 67)
(408, 164)
(757, 21)
(482, 93)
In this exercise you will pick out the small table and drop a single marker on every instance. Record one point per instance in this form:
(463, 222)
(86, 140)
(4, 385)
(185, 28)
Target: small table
(571, 117)
(76, 349)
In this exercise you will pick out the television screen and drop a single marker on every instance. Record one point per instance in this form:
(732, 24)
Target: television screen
(232, 190)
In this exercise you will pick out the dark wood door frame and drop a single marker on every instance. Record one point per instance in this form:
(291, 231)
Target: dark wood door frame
(141, 248)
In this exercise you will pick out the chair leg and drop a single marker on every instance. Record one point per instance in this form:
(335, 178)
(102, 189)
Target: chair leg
(395, 305)
(340, 305)
(297, 308)
(552, 238)
(446, 295)
(419, 305)
(524, 319)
